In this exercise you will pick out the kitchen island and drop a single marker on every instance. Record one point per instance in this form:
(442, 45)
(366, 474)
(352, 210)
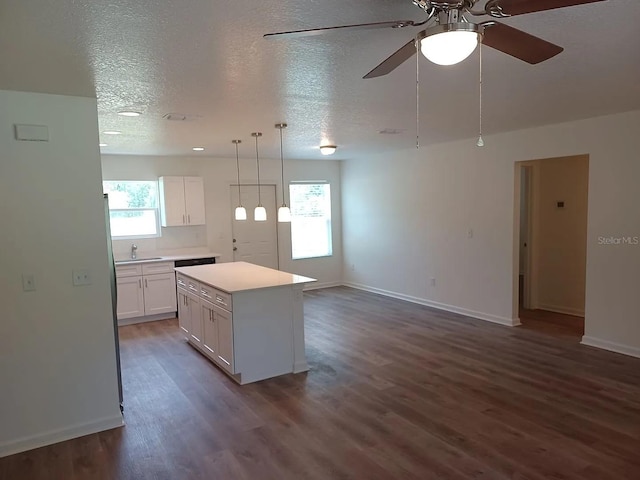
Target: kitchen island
(247, 319)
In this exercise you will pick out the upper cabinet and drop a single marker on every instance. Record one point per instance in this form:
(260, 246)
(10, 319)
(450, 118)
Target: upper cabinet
(181, 201)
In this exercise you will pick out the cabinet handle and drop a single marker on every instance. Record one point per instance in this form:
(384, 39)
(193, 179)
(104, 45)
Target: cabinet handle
(146, 285)
(139, 283)
(189, 217)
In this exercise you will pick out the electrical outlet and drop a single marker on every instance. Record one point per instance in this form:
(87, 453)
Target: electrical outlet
(28, 282)
(433, 282)
(81, 277)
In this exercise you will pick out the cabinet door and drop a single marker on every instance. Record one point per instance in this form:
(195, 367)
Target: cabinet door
(194, 200)
(159, 293)
(209, 329)
(193, 304)
(130, 297)
(184, 317)
(224, 322)
(172, 207)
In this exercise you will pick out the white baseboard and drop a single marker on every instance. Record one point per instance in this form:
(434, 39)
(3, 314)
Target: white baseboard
(60, 435)
(316, 286)
(300, 366)
(148, 318)
(510, 322)
(611, 346)
(576, 312)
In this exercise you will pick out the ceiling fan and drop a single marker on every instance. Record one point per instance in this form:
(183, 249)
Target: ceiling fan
(450, 37)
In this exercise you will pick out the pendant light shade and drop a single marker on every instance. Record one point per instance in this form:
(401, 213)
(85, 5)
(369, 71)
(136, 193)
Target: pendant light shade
(241, 212)
(260, 213)
(284, 214)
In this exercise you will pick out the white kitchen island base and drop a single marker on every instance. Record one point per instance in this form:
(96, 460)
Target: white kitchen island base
(247, 319)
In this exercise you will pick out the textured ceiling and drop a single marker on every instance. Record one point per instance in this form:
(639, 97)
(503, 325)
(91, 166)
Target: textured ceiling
(207, 59)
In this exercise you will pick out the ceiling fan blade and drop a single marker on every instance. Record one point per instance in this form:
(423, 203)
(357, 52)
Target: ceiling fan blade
(392, 62)
(359, 26)
(517, 43)
(520, 7)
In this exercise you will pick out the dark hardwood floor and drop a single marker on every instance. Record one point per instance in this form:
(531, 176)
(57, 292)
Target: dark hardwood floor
(553, 323)
(395, 390)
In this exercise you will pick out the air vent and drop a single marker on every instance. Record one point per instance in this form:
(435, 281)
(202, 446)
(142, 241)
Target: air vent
(180, 117)
(391, 131)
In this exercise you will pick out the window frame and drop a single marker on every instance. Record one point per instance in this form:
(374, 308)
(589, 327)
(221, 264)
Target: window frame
(328, 220)
(156, 209)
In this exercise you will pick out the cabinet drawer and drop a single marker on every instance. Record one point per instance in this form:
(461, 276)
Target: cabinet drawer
(193, 286)
(181, 281)
(157, 267)
(134, 270)
(217, 297)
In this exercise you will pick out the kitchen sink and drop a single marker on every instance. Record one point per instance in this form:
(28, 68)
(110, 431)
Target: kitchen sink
(130, 260)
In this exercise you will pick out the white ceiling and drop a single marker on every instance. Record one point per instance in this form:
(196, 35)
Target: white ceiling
(207, 59)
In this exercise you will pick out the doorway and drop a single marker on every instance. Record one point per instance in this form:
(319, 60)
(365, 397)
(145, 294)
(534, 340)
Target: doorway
(255, 242)
(552, 206)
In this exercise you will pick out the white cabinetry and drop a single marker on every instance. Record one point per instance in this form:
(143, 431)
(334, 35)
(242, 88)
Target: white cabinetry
(251, 322)
(146, 290)
(181, 201)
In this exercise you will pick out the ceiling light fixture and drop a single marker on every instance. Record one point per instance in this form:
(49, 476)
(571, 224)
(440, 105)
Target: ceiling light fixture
(449, 43)
(260, 213)
(129, 113)
(112, 132)
(241, 212)
(198, 149)
(284, 213)
(328, 149)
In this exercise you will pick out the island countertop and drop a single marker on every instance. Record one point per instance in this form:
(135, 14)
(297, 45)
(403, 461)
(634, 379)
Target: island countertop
(240, 276)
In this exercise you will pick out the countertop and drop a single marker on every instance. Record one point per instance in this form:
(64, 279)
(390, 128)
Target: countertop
(166, 258)
(241, 276)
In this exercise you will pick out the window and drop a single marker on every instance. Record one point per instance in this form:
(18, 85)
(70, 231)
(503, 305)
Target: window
(133, 208)
(310, 220)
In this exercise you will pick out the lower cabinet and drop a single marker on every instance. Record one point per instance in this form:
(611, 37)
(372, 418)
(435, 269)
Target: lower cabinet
(145, 290)
(217, 334)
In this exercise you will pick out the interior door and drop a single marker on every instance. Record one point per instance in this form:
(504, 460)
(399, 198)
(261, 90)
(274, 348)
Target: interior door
(255, 242)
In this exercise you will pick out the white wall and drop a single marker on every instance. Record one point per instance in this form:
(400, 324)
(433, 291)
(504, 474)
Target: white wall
(219, 174)
(57, 350)
(559, 249)
(409, 215)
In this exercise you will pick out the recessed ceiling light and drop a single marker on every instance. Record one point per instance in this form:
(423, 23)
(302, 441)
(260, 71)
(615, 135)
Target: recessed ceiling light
(112, 132)
(198, 149)
(129, 113)
(102, 144)
(328, 149)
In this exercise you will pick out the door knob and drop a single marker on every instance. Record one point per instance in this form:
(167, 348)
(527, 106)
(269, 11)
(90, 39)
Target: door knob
(235, 248)
(234, 240)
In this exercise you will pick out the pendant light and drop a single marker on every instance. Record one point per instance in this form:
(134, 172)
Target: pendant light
(241, 212)
(260, 213)
(284, 214)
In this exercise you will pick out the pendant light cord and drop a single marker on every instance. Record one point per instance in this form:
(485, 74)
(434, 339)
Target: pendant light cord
(480, 140)
(417, 94)
(238, 169)
(284, 203)
(258, 167)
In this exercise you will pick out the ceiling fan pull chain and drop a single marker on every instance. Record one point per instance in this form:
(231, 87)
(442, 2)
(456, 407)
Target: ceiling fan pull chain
(480, 142)
(417, 94)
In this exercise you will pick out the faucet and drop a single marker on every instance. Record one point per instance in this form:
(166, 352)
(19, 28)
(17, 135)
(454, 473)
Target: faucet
(134, 251)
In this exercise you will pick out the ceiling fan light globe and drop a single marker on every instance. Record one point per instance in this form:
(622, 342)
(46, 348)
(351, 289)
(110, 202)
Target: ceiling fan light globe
(241, 213)
(260, 214)
(449, 48)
